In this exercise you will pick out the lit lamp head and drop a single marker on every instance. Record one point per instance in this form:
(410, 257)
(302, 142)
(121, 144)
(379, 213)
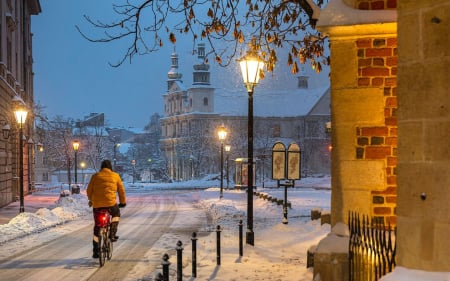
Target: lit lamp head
(76, 145)
(252, 69)
(82, 164)
(21, 116)
(222, 133)
(227, 148)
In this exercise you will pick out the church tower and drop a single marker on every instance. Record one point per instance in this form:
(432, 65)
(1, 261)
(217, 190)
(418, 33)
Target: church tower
(201, 94)
(201, 74)
(175, 97)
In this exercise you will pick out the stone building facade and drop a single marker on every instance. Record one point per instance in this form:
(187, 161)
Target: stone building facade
(192, 115)
(16, 88)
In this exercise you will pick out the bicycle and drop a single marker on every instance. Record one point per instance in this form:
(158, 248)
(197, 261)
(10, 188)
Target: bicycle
(103, 220)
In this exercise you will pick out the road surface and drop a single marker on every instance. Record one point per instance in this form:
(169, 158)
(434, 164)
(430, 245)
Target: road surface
(65, 252)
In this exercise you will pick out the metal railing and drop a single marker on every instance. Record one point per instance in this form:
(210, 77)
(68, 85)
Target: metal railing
(372, 248)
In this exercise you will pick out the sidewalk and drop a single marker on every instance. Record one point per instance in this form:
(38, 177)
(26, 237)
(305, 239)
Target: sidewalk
(32, 203)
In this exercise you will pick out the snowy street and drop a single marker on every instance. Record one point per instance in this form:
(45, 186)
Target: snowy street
(64, 252)
(154, 219)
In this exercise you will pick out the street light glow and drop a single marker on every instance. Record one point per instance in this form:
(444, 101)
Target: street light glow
(251, 68)
(76, 145)
(21, 116)
(222, 133)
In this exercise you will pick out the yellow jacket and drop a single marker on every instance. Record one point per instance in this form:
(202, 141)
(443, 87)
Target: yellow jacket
(103, 187)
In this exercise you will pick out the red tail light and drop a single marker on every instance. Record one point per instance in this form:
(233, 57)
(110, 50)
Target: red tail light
(102, 219)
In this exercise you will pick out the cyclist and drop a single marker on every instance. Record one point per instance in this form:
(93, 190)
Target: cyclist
(102, 191)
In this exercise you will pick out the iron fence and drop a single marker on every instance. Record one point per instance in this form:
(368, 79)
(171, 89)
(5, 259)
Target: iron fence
(372, 248)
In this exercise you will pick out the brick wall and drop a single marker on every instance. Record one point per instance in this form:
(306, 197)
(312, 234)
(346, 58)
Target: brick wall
(377, 67)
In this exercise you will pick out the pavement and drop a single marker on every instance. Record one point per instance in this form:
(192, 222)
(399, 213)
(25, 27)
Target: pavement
(32, 203)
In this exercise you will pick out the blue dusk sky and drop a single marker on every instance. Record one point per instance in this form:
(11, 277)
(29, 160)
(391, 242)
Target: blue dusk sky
(73, 77)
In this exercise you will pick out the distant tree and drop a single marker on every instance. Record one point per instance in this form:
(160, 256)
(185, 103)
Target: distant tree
(56, 137)
(226, 25)
(153, 135)
(93, 145)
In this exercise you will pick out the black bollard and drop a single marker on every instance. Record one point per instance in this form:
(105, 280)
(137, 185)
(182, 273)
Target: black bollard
(179, 261)
(165, 265)
(241, 242)
(194, 254)
(218, 244)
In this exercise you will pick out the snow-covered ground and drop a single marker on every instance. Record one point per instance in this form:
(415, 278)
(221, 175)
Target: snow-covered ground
(279, 252)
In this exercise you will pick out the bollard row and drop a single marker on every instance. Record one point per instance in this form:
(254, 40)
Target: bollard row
(267, 197)
(164, 276)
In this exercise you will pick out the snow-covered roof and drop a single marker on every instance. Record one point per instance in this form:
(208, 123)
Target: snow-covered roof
(268, 103)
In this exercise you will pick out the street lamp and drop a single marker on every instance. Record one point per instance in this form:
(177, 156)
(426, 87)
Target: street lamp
(222, 133)
(251, 67)
(133, 163)
(82, 165)
(227, 149)
(76, 146)
(21, 117)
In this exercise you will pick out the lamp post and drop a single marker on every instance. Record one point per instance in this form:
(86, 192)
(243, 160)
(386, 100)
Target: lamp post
(76, 146)
(222, 133)
(251, 67)
(82, 165)
(133, 163)
(227, 149)
(21, 116)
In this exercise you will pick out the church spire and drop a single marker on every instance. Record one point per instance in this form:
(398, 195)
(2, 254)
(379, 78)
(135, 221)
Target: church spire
(173, 74)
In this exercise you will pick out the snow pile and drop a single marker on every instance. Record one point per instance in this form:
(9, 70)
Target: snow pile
(66, 208)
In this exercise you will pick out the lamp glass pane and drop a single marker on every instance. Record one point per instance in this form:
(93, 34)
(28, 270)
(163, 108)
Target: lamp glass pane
(21, 116)
(76, 145)
(222, 134)
(250, 68)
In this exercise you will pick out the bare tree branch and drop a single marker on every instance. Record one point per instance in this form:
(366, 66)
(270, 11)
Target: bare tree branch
(227, 25)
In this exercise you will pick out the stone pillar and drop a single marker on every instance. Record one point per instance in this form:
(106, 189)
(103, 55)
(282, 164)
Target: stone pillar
(363, 112)
(424, 131)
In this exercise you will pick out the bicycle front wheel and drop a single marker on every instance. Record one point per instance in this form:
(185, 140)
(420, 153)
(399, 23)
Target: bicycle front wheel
(103, 240)
(109, 248)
